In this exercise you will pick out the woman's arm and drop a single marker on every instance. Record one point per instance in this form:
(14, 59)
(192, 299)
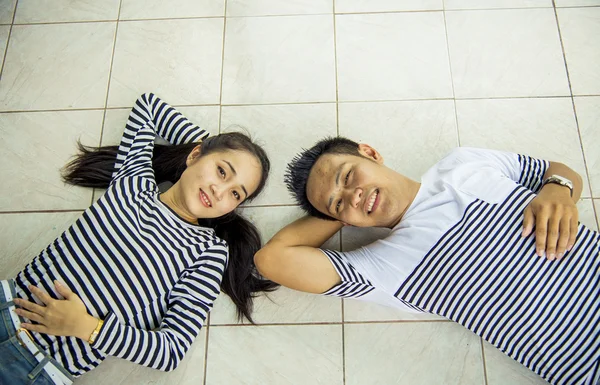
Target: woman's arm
(150, 116)
(190, 301)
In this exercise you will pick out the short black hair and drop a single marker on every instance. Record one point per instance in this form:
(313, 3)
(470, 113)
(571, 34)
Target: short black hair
(298, 169)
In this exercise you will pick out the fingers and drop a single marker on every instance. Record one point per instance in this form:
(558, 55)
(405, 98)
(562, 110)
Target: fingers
(573, 228)
(63, 290)
(30, 315)
(564, 236)
(43, 296)
(30, 306)
(35, 328)
(541, 233)
(528, 222)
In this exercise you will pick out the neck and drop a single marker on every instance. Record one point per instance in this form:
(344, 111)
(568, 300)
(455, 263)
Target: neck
(408, 190)
(173, 199)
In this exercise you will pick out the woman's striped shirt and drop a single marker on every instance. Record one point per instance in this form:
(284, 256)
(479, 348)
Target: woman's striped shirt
(459, 253)
(151, 276)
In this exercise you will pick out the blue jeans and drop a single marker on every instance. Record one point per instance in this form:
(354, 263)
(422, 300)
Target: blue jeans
(17, 364)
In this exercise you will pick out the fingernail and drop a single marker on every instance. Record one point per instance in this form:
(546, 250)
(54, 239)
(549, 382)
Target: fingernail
(560, 255)
(551, 256)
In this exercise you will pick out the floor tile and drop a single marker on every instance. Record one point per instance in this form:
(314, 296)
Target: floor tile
(49, 11)
(284, 59)
(360, 6)
(597, 206)
(157, 9)
(282, 355)
(580, 31)
(23, 236)
(270, 220)
(576, 3)
(495, 4)
(275, 7)
(295, 127)
(588, 117)
(587, 215)
(57, 66)
(542, 128)
(177, 59)
(281, 306)
(503, 370)
(504, 53)
(421, 353)
(206, 117)
(409, 60)
(33, 155)
(414, 135)
(362, 311)
(7, 9)
(115, 371)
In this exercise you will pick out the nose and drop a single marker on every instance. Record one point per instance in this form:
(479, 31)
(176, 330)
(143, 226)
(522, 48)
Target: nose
(217, 191)
(355, 197)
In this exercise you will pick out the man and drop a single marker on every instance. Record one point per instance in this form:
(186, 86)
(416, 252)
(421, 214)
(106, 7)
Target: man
(462, 246)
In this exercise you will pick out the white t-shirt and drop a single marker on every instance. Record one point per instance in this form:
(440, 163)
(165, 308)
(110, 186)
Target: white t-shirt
(447, 189)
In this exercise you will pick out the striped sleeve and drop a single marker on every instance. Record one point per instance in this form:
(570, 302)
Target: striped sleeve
(150, 116)
(524, 170)
(354, 284)
(532, 172)
(189, 303)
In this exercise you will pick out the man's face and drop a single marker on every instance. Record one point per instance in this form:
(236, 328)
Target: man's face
(357, 190)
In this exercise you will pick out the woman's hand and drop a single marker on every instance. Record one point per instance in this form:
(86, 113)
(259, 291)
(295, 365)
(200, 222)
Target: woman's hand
(66, 317)
(556, 220)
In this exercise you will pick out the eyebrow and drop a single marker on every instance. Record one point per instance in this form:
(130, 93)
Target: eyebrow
(235, 173)
(337, 182)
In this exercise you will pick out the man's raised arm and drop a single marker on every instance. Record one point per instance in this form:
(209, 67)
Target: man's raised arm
(292, 258)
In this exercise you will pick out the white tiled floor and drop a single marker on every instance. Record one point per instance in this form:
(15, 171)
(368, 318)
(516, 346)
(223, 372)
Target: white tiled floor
(413, 78)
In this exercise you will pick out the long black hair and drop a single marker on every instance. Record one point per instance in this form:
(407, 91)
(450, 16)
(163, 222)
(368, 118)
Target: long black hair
(94, 166)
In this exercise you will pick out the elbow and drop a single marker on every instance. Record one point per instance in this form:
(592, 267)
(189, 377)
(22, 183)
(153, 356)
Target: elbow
(266, 262)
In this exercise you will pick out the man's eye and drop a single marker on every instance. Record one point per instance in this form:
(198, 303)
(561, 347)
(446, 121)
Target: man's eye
(236, 195)
(347, 177)
(337, 206)
(222, 171)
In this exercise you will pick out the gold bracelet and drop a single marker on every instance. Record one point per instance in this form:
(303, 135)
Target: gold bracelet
(95, 333)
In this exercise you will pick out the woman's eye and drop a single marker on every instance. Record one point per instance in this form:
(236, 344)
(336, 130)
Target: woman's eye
(221, 171)
(236, 195)
(347, 177)
(337, 206)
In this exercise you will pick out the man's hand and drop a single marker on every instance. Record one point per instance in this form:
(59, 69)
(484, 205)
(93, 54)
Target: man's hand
(556, 219)
(68, 317)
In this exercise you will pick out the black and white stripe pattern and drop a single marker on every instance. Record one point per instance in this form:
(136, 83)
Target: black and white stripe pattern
(532, 172)
(354, 284)
(485, 276)
(132, 261)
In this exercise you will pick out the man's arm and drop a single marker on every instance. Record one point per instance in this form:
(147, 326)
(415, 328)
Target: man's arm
(292, 258)
(554, 214)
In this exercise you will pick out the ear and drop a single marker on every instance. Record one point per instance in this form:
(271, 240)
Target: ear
(369, 152)
(193, 155)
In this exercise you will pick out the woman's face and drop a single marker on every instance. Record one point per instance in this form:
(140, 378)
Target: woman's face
(215, 184)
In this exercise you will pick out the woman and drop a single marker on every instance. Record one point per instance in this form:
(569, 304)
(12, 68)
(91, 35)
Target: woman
(136, 275)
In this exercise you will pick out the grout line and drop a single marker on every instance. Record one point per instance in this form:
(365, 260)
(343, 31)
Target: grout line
(206, 348)
(42, 211)
(332, 323)
(8, 39)
(335, 65)
(585, 164)
(222, 66)
(483, 361)
(451, 78)
(112, 60)
(303, 103)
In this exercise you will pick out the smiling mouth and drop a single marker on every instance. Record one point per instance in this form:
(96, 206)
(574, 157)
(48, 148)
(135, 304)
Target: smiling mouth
(373, 201)
(205, 199)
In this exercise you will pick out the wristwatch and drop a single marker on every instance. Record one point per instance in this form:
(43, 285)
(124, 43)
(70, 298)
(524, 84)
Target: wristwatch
(557, 179)
(95, 333)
